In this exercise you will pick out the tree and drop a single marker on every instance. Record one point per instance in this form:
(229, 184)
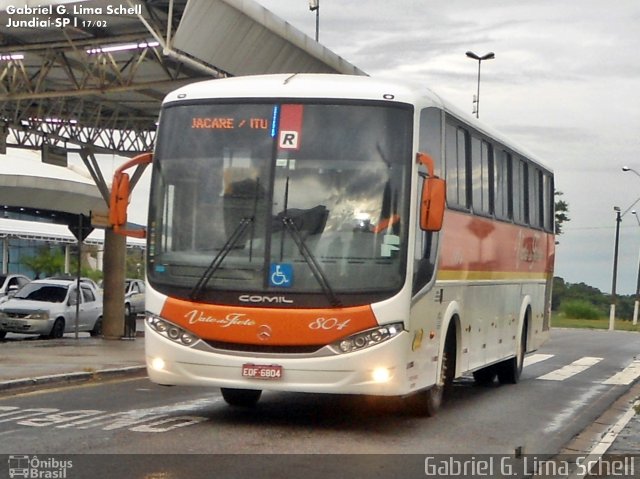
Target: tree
(48, 262)
(566, 293)
(135, 264)
(562, 213)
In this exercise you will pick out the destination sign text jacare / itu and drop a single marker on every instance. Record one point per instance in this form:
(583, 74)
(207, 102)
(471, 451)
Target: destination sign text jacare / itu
(228, 123)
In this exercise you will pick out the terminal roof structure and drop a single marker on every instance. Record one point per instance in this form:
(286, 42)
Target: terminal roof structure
(79, 74)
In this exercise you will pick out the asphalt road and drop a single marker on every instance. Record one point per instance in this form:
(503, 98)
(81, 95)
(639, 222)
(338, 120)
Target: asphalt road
(565, 386)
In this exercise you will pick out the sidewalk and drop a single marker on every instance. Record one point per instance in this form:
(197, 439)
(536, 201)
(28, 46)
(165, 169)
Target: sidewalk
(29, 362)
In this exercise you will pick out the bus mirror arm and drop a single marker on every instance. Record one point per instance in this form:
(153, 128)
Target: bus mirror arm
(120, 192)
(433, 197)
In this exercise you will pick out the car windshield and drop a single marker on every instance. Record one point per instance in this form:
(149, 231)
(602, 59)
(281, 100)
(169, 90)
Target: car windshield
(298, 198)
(49, 293)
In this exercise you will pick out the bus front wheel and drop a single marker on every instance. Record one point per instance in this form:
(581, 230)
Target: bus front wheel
(429, 401)
(241, 397)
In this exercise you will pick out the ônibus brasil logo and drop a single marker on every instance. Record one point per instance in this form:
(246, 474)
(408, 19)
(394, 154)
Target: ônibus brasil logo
(33, 467)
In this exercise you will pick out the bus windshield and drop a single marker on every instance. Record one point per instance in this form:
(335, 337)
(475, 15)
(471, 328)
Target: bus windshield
(308, 200)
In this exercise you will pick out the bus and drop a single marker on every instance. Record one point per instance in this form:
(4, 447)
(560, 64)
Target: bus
(339, 234)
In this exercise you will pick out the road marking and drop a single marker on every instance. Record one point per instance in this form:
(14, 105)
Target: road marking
(627, 375)
(596, 453)
(154, 419)
(536, 358)
(572, 369)
(568, 414)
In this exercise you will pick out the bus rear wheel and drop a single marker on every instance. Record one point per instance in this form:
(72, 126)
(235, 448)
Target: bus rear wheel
(241, 397)
(509, 371)
(485, 376)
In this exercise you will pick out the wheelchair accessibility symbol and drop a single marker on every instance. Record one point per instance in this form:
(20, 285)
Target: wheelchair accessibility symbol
(281, 275)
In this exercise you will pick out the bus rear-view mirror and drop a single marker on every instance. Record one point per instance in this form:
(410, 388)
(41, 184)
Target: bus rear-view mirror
(433, 198)
(432, 204)
(120, 192)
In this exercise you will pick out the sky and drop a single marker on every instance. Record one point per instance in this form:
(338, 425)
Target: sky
(565, 84)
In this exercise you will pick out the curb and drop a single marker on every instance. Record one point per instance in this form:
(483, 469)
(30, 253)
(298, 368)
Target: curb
(72, 378)
(600, 435)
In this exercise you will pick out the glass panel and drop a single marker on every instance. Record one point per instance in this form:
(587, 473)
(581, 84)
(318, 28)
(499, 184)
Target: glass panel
(485, 159)
(534, 197)
(547, 198)
(451, 156)
(209, 192)
(462, 169)
(501, 184)
(476, 174)
(273, 197)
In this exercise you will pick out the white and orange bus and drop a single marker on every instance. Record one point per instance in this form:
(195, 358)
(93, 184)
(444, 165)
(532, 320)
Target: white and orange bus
(299, 240)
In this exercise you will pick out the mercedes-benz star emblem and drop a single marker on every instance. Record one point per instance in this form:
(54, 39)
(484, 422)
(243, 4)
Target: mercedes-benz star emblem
(264, 332)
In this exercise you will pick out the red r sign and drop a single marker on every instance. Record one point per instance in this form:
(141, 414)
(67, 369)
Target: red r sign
(290, 127)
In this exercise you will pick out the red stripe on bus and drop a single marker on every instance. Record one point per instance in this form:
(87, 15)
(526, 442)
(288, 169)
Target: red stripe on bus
(473, 243)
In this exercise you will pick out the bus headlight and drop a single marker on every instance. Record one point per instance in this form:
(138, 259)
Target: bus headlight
(158, 364)
(368, 338)
(171, 331)
(381, 375)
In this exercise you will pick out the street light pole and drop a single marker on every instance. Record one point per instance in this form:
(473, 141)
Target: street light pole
(637, 301)
(612, 310)
(636, 305)
(314, 6)
(487, 56)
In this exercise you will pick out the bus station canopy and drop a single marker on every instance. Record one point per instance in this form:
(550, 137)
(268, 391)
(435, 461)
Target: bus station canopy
(74, 75)
(29, 187)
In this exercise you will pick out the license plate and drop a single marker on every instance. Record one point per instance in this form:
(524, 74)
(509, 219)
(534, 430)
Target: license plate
(262, 371)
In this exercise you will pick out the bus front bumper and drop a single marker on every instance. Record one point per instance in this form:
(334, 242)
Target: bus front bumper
(379, 370)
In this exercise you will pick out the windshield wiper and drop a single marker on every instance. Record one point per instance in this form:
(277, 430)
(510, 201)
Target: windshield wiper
(219, 258)
(290, 225)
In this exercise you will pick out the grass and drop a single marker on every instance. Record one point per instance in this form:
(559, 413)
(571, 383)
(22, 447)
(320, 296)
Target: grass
(559, 320)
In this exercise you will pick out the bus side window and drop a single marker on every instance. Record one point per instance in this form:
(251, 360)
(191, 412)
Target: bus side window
(501, 184)
(480, 175)
(535, 183)
(519, 191)
(547, 202)
(456, 171)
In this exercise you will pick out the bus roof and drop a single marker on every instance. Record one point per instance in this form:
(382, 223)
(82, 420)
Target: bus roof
(334, 86)
(299, 86)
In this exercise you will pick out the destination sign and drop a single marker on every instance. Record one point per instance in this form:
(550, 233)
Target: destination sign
(229, 123)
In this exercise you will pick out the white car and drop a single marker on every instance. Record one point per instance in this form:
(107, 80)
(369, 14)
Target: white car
(48, 307)
(133, 297)
(10, 283)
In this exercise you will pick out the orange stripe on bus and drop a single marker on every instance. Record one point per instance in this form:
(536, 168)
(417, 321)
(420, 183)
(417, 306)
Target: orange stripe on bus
(268, 326)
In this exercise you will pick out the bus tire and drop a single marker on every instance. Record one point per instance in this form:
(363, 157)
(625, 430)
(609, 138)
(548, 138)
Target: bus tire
(429, 401)
(241, 397)
(485, 376)
(509, 371)
(425, 403)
